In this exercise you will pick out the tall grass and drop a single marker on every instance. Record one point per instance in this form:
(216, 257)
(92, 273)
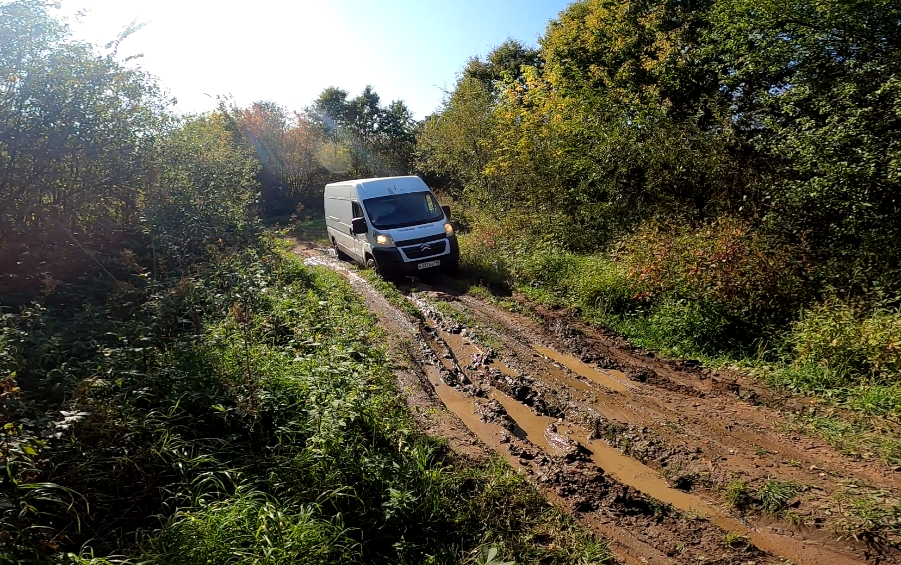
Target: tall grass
(244, 414)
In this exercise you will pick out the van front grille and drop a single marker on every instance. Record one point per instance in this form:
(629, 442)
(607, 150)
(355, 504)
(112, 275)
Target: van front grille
(426, 249)
(418, 240)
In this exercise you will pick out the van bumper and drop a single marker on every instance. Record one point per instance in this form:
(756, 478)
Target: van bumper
(390, 262)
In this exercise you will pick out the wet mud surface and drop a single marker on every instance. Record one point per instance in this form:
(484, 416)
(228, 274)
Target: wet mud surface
(647, 453)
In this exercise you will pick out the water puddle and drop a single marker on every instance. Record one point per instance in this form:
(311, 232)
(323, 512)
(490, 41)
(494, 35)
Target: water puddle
(623, 468)
(630, 472)
(532, 425)
(464, 408)
(464, 349)
(504, 369)
(613, 380)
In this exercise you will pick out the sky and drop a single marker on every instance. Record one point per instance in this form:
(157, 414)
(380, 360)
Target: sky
(289, 51)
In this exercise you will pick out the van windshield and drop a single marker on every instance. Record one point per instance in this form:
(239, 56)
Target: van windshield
(402, 210)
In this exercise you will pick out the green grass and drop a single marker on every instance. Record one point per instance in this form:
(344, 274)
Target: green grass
(275, 435)
(774, 495)
(310, 228)
(861, 437)
(735, 539)
(737, 494)
(874, 518)
(452, 311)
(391, 293)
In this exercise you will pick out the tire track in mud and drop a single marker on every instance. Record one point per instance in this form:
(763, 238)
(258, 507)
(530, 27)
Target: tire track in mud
(563, 421)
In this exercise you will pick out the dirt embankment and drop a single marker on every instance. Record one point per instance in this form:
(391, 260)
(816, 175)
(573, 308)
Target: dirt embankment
(670, 462)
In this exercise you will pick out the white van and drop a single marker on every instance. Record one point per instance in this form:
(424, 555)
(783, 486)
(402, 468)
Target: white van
(392, 224)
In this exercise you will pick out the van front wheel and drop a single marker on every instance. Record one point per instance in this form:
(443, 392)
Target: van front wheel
(371, 264)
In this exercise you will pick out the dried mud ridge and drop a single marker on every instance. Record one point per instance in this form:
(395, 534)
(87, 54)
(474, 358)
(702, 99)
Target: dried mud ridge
(641, 451)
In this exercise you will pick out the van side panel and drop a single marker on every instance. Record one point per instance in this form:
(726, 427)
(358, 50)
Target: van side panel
(338, 211)
(338, 216)
(337, 191)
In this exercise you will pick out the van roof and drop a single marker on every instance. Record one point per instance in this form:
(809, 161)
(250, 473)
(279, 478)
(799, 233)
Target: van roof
(384, 186)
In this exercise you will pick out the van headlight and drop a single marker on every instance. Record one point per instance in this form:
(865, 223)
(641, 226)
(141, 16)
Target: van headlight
(383, 239)
(448, 229)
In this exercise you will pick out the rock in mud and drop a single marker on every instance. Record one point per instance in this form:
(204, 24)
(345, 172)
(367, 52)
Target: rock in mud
(558, 442)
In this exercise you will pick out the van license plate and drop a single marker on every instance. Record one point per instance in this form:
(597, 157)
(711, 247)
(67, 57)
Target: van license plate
(428, 264)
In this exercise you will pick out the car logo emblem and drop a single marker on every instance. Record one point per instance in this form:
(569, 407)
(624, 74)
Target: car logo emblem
(425, 246)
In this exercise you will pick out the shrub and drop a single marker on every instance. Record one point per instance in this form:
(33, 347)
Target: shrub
(853, 343)
(480, 260)
(737, 494)
(683, 328)
(726, 262)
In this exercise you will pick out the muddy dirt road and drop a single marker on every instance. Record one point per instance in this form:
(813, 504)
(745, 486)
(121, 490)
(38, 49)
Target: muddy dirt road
(671, 463)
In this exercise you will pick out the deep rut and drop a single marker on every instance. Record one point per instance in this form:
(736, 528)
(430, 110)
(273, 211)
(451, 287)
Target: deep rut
(610, 436)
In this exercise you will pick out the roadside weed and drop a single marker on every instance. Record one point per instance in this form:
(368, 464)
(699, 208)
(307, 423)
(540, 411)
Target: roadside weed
(737, 494)
(775, 495)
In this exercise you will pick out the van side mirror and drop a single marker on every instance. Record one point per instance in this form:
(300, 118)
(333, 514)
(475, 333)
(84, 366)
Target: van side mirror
(446, 212)
(358, 225)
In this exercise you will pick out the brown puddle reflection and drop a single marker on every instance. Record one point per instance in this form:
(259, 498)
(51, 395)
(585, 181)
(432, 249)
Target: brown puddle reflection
(623, 468)
(463, 408)
(614, 380)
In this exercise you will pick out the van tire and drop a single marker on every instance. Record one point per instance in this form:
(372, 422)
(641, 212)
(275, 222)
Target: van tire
(371, 264)
(338, 253)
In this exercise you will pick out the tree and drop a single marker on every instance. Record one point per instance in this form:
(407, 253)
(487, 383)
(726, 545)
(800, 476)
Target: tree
(362, 138)
(816, 87)
(457, 141)
(396, 138)
(504, 63)
(77, 132)
(264, 130)
(639, 54)
(204, 194)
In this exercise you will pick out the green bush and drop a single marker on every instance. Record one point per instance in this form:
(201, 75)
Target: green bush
(681, 328)
(603, 287)
(855, 345)
(203, 198)
(481, 260)
(646, 295)
(724, 262)
(253, 528)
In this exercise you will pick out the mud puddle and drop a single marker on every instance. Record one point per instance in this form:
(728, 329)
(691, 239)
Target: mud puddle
(556, 437)
(614, 380)
(525, 396)
(631, 473)
(626, 470)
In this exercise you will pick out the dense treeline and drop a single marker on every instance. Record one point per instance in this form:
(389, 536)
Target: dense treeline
(335, 138)
(91, 156)
(713, 168)
(173, 387)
